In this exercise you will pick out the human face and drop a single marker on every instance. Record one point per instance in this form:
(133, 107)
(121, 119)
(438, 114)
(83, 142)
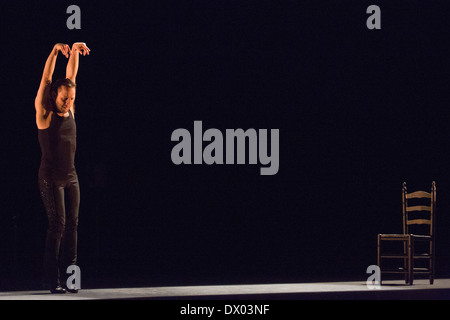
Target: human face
(65, 99)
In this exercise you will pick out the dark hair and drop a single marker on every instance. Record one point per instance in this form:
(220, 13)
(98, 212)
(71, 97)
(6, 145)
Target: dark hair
(62, 82)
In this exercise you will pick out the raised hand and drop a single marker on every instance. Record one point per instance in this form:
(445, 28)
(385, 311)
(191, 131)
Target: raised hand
(63, 48)
(81, 48)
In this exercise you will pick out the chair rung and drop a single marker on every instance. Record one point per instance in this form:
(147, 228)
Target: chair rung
(422, 238)
(421, 271)
(418, 270)
(422, 256)
(394, 271)
(403, 256)
(393, 256)
(402, 270)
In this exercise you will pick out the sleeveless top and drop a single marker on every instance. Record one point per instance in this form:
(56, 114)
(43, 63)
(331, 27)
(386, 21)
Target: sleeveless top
(58, 146)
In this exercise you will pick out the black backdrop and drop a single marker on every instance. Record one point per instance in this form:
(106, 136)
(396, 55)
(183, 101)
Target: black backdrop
(359, 112)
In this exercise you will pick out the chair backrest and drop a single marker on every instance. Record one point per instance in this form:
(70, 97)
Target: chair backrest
(419, 208)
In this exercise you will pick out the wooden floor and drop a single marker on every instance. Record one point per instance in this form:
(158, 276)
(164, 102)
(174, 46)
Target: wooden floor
(351, 290)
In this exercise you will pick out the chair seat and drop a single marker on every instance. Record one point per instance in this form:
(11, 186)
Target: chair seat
(394, 236)
(421, 237)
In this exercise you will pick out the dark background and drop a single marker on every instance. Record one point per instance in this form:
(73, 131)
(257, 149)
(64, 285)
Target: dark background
(359, 112)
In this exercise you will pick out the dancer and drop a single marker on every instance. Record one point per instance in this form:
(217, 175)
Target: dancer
(57, 177)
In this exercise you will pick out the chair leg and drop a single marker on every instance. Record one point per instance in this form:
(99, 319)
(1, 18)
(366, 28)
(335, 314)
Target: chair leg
(411, 260)
(379, 255)
(406, 261)
(431, 265)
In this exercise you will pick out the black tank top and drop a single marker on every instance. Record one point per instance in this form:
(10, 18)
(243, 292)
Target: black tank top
(58, 146)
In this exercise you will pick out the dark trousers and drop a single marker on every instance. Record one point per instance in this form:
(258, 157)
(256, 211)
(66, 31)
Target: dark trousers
(61, 199)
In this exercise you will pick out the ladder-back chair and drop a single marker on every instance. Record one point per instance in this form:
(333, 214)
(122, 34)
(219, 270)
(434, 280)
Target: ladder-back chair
(419, 212)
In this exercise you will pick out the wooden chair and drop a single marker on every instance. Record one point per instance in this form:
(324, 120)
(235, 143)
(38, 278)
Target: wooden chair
(419, 210)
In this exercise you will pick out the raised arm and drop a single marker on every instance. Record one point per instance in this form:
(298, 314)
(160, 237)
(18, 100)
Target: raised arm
(47, 76)
(72, 65)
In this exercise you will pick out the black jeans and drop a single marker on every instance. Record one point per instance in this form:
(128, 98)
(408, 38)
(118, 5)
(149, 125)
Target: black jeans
(61, 198)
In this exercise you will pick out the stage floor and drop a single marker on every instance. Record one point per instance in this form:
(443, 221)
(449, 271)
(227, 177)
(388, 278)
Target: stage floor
(282, 291)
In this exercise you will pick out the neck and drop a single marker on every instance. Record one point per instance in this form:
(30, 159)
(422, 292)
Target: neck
(65, 115)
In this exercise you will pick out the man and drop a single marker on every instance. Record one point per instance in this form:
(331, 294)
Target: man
(58, 180)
